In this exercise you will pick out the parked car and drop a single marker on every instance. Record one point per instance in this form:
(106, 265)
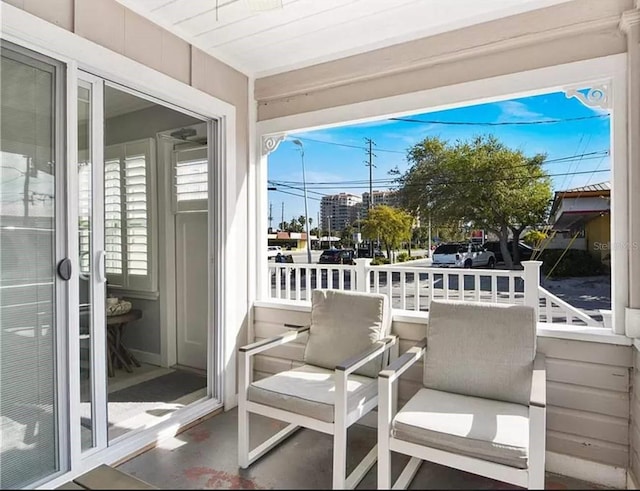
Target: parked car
(273, 251)
(364, 252)
(526, 252)
(338, 256)
(462, 255)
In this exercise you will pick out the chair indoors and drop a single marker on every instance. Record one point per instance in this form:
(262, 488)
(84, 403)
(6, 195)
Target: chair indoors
(482, 405)
(348, 344)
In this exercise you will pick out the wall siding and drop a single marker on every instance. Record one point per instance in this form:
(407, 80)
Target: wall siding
(560, 34)
(587, 385)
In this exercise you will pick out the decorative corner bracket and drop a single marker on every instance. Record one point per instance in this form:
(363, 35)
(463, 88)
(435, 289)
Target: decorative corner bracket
(596, 96)
(271, 142)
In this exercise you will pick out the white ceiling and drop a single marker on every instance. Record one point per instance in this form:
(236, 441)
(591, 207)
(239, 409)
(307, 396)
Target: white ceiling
(306, 32)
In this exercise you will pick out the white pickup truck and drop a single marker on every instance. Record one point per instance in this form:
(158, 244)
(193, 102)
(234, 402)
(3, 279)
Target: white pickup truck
(273, 251)
(461, 255)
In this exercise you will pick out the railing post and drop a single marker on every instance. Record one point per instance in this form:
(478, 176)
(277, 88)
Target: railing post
(531, 285)
(362, 274)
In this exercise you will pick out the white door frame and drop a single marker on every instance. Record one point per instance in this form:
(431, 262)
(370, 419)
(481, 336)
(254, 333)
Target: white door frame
(610, 70)
(78, 53)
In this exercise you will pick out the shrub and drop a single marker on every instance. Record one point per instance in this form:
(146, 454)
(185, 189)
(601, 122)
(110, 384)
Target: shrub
(573, 263)
(403, 256)
(534, 238)
(379, 260)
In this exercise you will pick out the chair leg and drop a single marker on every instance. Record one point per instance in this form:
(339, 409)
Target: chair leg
(339, 457)
(384, 463)
(243, 437)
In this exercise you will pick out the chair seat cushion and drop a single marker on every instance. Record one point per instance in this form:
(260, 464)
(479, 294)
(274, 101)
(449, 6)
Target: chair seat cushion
(482, 428)
(310, 391)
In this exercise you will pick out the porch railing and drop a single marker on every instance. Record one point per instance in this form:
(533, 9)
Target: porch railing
(412, 287)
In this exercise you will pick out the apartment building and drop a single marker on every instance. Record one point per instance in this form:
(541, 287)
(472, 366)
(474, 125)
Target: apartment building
(338, 210)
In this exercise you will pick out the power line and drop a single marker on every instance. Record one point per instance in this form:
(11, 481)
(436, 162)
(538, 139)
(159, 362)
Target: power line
(443, 183)
(350, 146)
(294, 194)
(278, 183)
(501, 123)
(598, 155)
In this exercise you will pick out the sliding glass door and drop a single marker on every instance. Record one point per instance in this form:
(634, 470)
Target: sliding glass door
(33, 269)
(91, 277)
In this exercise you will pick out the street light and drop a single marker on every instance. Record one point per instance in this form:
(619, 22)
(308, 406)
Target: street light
(304, 186)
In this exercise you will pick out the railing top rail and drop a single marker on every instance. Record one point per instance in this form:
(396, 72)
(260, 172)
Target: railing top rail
(449, 271)
(346, 267)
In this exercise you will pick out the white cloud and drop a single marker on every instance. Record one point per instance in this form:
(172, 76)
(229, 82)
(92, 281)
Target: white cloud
(510, 110)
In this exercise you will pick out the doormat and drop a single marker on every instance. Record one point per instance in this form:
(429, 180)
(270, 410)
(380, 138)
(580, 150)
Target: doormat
(165, 388)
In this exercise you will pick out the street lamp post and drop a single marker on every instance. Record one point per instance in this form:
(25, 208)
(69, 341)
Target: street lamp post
(306, 213)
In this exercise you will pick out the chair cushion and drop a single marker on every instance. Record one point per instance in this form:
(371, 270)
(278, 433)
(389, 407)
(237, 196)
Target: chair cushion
(482, 428)
(310, 391)
(480, 349)
(345, 324)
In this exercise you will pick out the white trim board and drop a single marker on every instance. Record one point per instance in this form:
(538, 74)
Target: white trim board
(514, 85)
(611, 70)
(586, 470)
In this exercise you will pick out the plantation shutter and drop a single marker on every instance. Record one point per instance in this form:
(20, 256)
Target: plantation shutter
(129, 224)
(191, 179)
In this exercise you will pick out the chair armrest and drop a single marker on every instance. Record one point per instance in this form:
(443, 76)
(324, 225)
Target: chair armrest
(538, 395)
(265, 344)
(297, 326)
(400, 365)
(350, 365)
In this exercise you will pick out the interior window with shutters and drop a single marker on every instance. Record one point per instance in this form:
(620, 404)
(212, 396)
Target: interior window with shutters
(190, 177)
(129, 225)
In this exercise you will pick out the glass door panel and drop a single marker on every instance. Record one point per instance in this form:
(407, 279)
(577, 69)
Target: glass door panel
(30, 290)
(91, 275)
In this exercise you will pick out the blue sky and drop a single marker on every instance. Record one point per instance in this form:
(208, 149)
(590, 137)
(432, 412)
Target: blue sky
(335, 157)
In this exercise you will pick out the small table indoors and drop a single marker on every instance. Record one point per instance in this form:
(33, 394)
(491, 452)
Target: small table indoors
(119, 355)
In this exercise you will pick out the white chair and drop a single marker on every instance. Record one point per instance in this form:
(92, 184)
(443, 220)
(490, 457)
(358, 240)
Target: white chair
(482, 405)
(348, 344)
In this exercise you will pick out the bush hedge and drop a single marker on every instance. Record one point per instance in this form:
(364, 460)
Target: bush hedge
(573, 263)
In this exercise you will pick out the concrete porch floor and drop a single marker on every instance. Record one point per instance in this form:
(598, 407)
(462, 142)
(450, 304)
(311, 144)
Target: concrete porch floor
(205, 457)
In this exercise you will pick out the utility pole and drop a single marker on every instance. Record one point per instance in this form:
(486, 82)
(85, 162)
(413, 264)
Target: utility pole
(369, 164)
(282, 222)
(270, 216)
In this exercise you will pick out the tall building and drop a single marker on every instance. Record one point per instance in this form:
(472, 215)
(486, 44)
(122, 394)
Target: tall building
(338, 210)
(388, 198)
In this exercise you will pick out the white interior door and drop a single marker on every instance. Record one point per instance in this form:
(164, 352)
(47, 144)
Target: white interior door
(192, 289)
(192, 266)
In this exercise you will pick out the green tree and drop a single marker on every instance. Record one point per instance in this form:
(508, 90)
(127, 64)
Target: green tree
(480, 183)
(391, 225)
(346, 236)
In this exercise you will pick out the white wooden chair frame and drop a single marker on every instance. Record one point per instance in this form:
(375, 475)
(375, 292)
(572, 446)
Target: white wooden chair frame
(532, 477)
(342, 418)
